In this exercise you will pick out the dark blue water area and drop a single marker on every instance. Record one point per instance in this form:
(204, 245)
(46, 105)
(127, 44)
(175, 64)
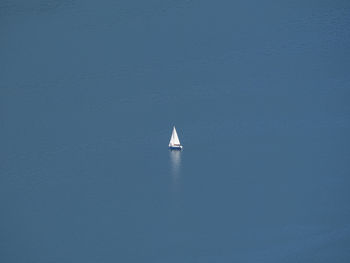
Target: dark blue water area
(258, 91)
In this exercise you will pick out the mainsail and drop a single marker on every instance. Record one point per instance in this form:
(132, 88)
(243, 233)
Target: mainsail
(174, 140)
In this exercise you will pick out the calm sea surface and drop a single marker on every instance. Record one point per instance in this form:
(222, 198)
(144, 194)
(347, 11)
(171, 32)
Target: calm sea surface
(259, 92)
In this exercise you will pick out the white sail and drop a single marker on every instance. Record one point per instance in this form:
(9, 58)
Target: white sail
(174, 140)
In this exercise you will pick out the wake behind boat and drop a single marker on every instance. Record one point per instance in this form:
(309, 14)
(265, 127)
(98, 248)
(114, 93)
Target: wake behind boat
(174, 143)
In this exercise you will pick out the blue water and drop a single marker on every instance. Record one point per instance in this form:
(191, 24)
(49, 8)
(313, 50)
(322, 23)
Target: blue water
(258, 90)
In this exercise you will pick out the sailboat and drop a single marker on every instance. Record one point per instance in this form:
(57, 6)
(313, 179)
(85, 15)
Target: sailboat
(174, 143)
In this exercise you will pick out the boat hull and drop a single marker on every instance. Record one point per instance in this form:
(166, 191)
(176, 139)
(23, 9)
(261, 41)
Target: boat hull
(178, 148)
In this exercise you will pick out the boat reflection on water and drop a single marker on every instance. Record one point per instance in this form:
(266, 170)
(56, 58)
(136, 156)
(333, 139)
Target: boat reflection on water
(175, 161)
